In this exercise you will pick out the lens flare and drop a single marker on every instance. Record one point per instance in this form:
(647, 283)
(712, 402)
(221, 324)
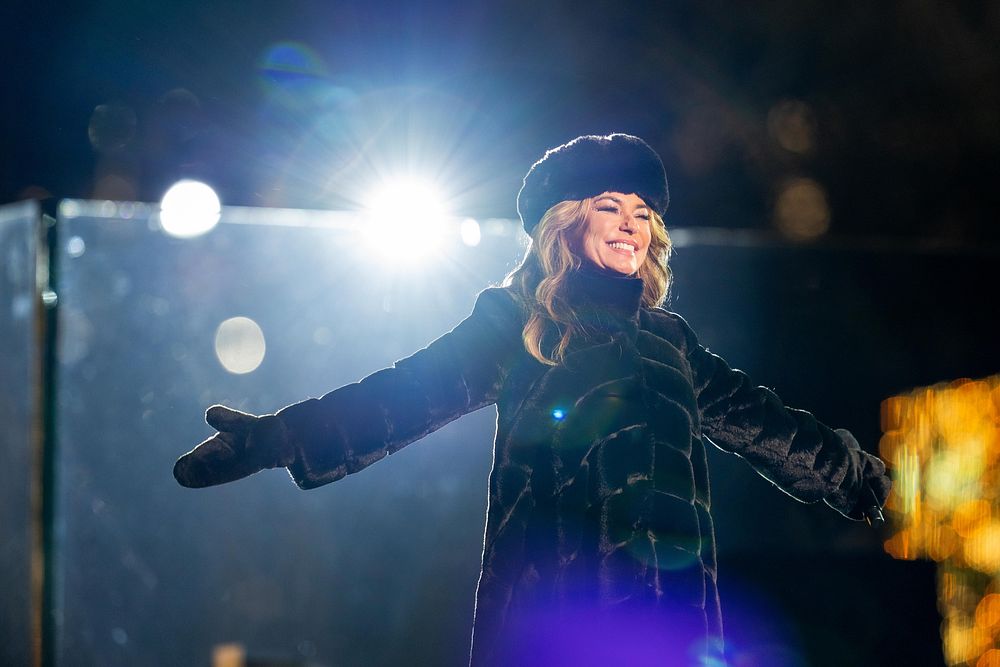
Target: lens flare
(294, 76)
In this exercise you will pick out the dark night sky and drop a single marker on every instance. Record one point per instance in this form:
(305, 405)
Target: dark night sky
(897, 103)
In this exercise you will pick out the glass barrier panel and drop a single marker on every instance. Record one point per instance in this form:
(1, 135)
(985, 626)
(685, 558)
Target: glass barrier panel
(267, 308)
(19, 354)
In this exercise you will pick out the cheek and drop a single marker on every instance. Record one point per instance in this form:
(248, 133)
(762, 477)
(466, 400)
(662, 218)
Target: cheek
(593, 241)
(648, 238)
(584, 247)
(648, 247)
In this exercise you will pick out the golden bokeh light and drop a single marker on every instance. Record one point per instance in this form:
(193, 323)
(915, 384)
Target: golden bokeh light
(988, 612)
(801, 211)
(943, 443)
(792, 125)
(989, 659)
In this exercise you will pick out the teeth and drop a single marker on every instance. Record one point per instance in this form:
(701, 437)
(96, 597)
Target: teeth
(622, 246)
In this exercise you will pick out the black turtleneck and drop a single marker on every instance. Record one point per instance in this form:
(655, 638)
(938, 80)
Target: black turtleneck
(603, 300)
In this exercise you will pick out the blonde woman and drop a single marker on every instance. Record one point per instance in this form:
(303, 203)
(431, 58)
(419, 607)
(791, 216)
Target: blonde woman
(599, 546)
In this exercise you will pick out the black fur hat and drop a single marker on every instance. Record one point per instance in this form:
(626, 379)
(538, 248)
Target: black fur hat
(588, 166)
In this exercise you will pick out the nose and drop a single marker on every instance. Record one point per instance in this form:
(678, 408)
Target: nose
(627, 223)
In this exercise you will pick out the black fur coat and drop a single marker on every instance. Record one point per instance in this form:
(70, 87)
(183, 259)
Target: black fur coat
(599, 538)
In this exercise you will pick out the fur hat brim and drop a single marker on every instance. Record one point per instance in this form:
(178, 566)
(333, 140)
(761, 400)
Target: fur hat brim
(588, 166)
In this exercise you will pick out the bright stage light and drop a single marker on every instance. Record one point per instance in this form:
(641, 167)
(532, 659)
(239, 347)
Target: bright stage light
(189, 208)
(405, 220)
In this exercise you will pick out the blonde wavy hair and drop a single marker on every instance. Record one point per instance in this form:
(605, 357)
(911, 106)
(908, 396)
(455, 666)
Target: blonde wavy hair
(541, 280)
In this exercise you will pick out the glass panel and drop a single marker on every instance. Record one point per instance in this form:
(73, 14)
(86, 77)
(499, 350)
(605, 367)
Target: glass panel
(19, 379)
(379, 568)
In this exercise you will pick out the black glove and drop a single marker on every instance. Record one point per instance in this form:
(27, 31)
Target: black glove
(245, 444)
(875, 484)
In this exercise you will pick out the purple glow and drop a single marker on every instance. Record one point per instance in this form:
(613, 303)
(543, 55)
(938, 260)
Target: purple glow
(638, 638)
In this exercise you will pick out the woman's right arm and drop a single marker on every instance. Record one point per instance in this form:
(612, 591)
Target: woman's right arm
(352, 427)
(322, 440)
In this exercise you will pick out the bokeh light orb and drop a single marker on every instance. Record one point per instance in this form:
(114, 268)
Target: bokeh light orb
(982, 549)
(989, 659)
(239, 345)
(179, 116)
(111, 127)
(792, 125)
(189, 208)
(75, 246)
(115, 187)
(987, 614)
(470, 232)
(801, 211)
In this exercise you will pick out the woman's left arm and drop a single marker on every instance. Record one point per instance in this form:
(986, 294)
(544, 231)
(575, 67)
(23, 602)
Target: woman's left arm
(791, 448)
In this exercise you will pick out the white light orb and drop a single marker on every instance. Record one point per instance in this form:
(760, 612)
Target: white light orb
(470, 231)
(239, 345)
(189, 208)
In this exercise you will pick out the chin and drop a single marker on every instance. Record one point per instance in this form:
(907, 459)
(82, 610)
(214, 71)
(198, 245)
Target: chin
(623, 267)
(624, 270)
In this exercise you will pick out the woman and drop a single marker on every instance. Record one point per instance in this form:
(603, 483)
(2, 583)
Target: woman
(599, 544)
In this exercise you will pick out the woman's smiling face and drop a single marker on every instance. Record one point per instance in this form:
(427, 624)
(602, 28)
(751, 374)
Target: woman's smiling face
(615, 234)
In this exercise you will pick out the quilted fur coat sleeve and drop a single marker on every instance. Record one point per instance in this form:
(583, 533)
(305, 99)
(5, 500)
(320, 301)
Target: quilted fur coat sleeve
(352, 427)
(789, 447)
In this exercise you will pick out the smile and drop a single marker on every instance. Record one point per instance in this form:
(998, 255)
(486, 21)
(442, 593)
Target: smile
(622, 246)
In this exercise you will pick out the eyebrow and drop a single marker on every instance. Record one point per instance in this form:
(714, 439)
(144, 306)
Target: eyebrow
(618, 200)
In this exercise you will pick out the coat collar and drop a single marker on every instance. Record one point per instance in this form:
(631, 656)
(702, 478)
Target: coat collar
(602, 300)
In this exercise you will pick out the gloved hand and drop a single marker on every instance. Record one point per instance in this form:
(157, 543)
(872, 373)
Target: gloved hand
(245, 444)
(875, 483)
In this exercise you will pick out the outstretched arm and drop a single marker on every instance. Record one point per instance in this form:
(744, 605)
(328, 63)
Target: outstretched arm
(322, 440)
(803, 457)
(354, 426)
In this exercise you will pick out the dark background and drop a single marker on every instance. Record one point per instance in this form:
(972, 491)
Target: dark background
(890, 109)
(899, 101)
